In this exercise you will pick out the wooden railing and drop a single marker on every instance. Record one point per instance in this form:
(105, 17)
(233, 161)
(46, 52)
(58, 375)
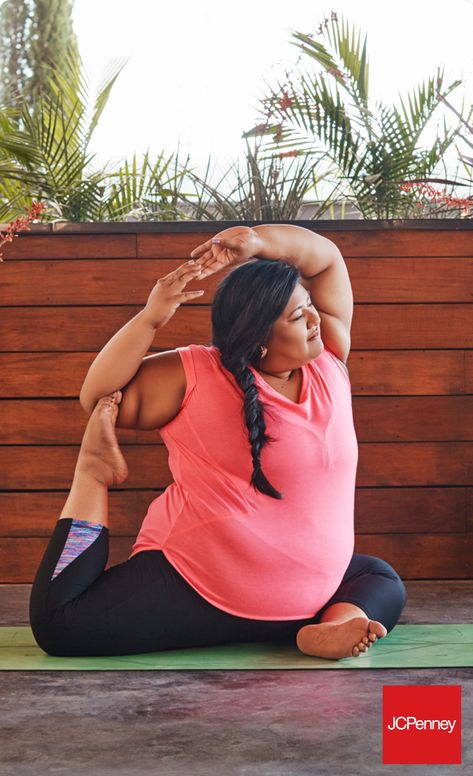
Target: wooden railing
(65, 290)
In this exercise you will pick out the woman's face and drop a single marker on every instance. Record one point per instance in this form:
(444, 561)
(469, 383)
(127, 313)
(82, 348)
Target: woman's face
(288, 345)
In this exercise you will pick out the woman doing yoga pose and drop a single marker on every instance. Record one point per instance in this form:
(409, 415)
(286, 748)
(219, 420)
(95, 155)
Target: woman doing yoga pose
(254, 538)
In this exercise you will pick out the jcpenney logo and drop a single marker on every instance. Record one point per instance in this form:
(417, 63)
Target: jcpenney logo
(405, 723)
(422, 724)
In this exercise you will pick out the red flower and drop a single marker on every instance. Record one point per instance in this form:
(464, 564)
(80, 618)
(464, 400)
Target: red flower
(18, 224)
(430, 192)
(285, 102)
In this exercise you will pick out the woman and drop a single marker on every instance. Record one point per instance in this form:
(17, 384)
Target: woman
(253, 541)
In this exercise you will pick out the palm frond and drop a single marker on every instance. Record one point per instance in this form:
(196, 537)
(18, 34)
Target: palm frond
(373, 147)
(342, 38)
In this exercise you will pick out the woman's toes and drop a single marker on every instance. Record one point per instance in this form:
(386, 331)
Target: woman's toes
(372, 636)
(366, 640)
(356, 652)
(377, 628)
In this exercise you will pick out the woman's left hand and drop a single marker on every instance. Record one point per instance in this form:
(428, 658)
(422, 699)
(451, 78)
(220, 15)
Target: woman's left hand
(236, 245)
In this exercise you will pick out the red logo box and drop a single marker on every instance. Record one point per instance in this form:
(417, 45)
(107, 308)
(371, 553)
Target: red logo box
(422, 724)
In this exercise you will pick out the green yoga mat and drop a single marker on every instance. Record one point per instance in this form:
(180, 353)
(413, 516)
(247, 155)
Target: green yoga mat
(406, 646)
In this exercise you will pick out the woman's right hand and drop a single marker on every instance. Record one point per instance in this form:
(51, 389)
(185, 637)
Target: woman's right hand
(232, 246)
(168, 294)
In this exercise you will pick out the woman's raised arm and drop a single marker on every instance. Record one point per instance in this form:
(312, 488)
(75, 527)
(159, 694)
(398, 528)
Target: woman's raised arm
(321, 265)
(117, 363)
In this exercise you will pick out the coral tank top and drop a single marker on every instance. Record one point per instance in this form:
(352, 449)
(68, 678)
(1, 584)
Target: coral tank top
(244, 552)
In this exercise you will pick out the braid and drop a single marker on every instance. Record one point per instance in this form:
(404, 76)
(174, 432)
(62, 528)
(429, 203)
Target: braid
(253, 411)
(247, 303)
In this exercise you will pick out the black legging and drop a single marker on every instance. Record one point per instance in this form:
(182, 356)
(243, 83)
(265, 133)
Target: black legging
(144, 605)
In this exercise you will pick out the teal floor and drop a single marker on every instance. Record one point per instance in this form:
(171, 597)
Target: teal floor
(406, 646)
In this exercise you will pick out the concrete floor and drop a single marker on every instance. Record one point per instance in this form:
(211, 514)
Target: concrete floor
(209, 723)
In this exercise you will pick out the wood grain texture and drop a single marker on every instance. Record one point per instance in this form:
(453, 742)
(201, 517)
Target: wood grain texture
(74, 329)
(423, 556)
(367, 242)
(36, 467)
(35, 513)
(382, 243)
(42, 375)
(56, 246)
(469, 371)
(127, 281)
(469, 509)
(55, 421)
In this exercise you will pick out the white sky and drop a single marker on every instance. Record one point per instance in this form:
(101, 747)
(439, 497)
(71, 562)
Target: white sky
(195, 70)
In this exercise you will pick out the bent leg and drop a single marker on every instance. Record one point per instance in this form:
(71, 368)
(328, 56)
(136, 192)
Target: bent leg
(141, 605)
(77, 608)
(75, 557)
(366, 606)
(374, 586)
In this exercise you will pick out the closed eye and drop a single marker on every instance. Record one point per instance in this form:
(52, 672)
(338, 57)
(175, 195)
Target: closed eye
(310, 304)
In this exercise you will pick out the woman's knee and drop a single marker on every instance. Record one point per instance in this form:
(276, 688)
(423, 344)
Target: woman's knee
(46, 640)
(57, 643)
(53, 631)
(397, 588)
(383, 568)
(375, 565)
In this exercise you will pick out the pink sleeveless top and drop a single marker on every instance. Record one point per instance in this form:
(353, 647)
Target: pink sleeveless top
(244, 552)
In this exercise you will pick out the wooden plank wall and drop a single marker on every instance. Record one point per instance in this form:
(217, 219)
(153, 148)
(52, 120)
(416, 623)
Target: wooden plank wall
(64, 295)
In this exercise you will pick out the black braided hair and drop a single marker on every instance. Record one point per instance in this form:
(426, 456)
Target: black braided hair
(246, 304)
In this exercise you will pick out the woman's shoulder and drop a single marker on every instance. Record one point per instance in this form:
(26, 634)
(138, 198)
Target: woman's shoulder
(326, 358)
(200, 355)
(194, 348)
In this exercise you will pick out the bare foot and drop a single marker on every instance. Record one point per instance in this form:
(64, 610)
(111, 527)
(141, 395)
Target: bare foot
(100, 455)
(334, 640)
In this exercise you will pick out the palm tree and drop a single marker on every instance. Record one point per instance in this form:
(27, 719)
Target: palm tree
(269, 189)
(147, 191)
(44, 156)
(375, 148)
